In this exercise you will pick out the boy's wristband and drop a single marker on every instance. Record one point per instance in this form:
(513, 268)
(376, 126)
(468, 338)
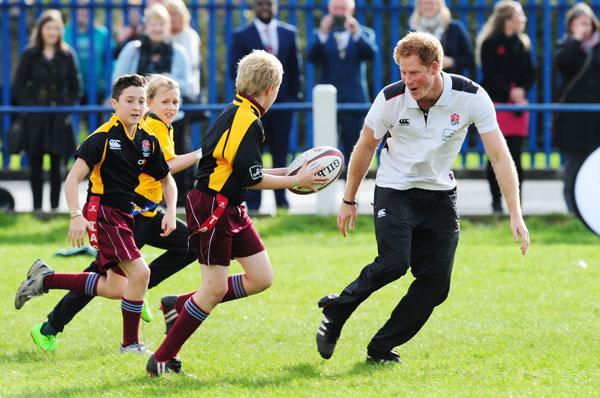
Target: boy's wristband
(76, 213)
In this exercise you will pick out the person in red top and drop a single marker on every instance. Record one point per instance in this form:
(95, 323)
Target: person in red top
(504, 53)
(116, 154)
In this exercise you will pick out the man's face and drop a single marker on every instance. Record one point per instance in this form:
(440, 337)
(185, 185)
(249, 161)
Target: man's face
(418, 78)
(265, 10)
(340, 8)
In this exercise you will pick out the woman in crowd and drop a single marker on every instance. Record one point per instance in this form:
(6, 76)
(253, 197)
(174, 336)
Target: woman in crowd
(47, 76)
(503, 51)
(183, 34)
(433, 16)
(577, 60)
(157, 53)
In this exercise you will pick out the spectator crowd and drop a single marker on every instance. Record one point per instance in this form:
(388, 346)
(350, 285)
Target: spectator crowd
(161, 40)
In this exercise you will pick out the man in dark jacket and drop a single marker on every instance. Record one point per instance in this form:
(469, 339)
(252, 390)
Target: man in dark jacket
(342, 47)
(280, 39)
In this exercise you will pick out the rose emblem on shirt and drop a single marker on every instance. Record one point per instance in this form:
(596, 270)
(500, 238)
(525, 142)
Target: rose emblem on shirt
(454, 119)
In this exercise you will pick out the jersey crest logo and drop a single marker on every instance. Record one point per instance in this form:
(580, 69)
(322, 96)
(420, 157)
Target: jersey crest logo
(145, 148)
(256, 172)
(404, 122)
(114, 144)
(454, 119)
(447, 134)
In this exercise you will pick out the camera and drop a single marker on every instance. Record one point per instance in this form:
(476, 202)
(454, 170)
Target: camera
(339, 23)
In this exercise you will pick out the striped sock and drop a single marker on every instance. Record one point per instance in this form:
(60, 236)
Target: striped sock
(189, 319)
(235, 288)
(132, 312)
(84, 282)
(181, 301)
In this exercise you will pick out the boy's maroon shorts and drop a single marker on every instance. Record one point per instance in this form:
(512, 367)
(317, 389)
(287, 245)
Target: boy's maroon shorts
(112, 235)
(232, 237)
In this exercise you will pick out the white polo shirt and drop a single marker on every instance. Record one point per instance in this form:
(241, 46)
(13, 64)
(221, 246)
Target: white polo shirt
(420, 148)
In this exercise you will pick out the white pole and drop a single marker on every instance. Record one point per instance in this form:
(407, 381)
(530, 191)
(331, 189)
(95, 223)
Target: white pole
(325, 133)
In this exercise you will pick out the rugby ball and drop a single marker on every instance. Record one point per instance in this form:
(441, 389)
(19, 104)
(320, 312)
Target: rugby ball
(326, 157)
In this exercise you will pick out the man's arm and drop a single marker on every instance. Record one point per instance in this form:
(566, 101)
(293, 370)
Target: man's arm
(360, 160)
(506, 174)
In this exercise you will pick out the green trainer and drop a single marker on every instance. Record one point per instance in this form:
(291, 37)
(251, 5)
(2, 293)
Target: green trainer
(42, 342)
(146, 314)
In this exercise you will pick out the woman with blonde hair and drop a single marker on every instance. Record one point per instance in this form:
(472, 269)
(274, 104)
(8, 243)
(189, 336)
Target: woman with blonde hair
(503, 51)
(577, 61)
(157, 52)
(183, 34)
(47, 76)
(433, 16)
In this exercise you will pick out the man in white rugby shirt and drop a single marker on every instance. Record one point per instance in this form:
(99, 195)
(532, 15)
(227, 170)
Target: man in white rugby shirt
(422, 121)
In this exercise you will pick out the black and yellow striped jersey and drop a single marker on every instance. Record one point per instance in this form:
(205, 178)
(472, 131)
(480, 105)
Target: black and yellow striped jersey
(116, 161)
(149, 191)
(231, 159)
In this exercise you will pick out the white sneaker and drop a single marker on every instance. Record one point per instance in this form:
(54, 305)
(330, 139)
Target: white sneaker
(135, 348)
(33, 286)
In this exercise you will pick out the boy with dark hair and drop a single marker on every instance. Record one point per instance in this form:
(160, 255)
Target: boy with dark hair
(162, 94)
(116, 153)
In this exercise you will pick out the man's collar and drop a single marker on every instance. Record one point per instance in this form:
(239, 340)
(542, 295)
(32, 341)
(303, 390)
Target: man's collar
(261, 25)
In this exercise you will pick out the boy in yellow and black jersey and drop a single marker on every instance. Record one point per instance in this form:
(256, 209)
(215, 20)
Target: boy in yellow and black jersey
(217, 220)
(163, 103)
(232, 160)
(116, 154)
(109, 152)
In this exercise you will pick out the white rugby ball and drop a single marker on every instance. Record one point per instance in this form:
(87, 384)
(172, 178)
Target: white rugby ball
(326, 157)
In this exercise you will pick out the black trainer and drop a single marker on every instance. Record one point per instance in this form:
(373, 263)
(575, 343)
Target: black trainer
(328, 332)
(377, 357)
(167, 306)
(155, 368)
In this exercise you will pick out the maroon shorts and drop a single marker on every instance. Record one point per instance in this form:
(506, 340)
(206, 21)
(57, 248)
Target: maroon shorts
(233, 235)
(112, 236)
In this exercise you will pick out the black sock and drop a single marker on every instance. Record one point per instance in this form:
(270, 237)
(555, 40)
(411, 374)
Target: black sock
(48, 329)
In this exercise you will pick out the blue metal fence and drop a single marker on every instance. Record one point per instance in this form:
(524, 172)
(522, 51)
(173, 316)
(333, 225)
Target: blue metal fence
(215, 20)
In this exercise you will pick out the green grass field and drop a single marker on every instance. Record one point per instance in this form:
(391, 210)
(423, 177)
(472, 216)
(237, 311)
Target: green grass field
(512, 326)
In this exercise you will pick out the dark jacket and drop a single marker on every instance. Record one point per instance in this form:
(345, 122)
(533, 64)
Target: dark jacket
(246, 38)
(457, 45)
(577, 132)
(39, 81)
(348, 74)
(505, 63)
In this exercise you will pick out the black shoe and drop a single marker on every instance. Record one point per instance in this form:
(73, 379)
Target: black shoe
(327, 337)
(167, 306)
(328, 331)
(327, 300)
(155, 368)
(377, 357)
